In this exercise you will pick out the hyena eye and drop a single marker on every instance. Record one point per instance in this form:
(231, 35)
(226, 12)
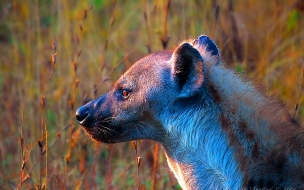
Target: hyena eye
(125, 93)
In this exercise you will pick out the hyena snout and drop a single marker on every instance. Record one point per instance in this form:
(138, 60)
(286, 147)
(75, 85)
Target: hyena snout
(93, 112)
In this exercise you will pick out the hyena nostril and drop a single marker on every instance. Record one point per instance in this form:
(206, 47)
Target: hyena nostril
(82, 116)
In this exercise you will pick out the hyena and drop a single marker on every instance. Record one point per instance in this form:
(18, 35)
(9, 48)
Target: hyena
(218, 130)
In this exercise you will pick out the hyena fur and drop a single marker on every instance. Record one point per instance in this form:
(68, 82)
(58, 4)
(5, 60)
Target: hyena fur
(218, 130)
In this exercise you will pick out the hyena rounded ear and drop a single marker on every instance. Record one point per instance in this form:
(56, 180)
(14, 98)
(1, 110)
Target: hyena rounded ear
(207, 48)
(187, 69)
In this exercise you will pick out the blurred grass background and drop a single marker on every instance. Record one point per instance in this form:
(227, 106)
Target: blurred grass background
(94, 42)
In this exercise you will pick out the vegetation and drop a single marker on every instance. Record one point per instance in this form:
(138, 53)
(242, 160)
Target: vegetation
(56, 55)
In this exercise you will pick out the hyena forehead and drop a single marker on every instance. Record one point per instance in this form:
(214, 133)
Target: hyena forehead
(149, 65)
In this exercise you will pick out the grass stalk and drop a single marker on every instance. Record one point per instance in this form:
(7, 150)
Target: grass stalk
(42, 152)
(44, 131)
(138, 161)
(74, 93)
(165, 38)
(155, 163)
(58, 135)
(103, 54)
(109, 178)
(21, 142)
(300, 94)
(216, 18)
(147, 27)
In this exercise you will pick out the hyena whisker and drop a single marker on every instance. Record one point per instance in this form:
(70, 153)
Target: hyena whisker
(108, 119)
(126, 132)
(106, 132)
(139, 131)
(108, 129)
(144, 123)
(102, 132)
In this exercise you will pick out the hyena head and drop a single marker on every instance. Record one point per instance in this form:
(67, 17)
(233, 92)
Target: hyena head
(156, 88)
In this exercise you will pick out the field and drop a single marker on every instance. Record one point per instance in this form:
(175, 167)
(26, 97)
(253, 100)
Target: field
(56, 55)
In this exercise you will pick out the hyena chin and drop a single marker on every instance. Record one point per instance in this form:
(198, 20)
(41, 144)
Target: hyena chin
(218, 131)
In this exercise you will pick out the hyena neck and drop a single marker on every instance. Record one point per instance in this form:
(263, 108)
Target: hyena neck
(248, 112)
(198, 149)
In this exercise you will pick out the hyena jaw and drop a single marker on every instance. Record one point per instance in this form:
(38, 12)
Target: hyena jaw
(219, 131)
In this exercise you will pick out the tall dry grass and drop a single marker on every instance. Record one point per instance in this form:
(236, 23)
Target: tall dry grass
(56, 55)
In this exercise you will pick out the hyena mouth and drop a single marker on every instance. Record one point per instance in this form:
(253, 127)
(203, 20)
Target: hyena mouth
(103, 132)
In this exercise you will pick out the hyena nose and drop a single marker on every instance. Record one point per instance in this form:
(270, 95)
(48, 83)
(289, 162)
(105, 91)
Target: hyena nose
(82, 116)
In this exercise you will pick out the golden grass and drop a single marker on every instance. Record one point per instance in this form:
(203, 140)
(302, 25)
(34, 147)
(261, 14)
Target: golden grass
(94, 42)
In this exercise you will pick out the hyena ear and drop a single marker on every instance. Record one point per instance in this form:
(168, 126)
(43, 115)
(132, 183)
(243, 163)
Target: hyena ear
(187, 69)
(207, 48)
